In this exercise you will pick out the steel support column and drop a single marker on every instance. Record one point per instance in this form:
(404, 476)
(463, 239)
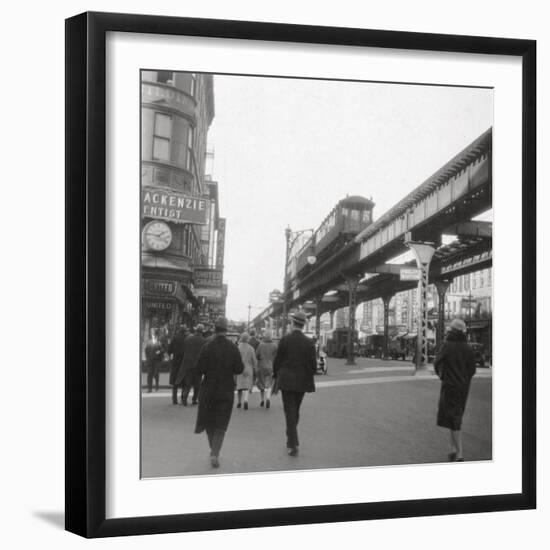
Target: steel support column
(423, 253)
(385, 351)
(318, 300)
(352, 283)
(442, 286)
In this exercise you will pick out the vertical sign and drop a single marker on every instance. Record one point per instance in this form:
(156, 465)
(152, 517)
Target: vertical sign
(220, 244)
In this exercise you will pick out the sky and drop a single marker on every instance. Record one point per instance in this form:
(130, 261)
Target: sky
(287, 150)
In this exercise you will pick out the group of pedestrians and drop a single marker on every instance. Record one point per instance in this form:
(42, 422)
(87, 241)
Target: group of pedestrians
(258, 357)
(215, 367)
(224, 367)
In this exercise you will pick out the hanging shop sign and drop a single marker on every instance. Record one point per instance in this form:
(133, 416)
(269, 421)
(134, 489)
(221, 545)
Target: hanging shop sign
(208, 277)
(174, 207)
(159, 287)
(210, 293)
(220, 243)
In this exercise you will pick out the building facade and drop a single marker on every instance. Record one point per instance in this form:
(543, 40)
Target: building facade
(176, 111)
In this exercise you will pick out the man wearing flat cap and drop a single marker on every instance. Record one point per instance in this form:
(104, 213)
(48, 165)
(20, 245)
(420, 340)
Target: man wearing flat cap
(294, 367)
(219, 362)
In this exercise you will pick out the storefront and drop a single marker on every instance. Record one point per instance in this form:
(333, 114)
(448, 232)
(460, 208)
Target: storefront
(166, 304)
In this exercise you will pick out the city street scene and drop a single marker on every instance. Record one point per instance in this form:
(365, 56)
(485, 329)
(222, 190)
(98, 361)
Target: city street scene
(316, 274)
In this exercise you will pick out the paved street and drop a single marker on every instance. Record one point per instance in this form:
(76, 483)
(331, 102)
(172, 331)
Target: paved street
(375, 413)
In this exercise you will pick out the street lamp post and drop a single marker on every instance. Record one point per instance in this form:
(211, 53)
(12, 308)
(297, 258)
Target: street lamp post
(290, 237)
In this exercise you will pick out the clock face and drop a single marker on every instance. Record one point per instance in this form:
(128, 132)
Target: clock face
(157, 235)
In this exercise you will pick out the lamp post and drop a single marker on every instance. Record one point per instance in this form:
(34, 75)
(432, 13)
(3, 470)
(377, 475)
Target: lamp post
(290, 237)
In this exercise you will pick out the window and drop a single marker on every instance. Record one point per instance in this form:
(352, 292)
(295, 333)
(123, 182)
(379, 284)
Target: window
(489, 276)
(166, 77)
(467, 282)
(460, 283)
(161, 136)
(193, 84)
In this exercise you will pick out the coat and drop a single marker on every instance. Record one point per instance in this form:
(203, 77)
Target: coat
(265, 353)
(153, 355)
(191, 349)
(176, 351)
(455, 366)
(248, 356)
(295, 363)
(219, 361)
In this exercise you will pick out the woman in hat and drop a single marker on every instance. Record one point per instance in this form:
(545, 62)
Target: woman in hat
(265, 353)
(455, 366)
(244, 380)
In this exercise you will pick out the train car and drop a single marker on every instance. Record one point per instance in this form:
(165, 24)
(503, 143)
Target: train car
(348, 218)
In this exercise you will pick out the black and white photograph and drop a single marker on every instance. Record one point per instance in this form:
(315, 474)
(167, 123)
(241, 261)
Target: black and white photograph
(316, 274)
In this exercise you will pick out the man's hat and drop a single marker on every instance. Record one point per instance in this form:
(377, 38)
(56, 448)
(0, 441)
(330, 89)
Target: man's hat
(221, 323)
(299, 317)
(458, 325)
(199, 327)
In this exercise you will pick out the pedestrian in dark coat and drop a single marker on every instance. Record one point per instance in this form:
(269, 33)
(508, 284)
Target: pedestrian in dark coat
(294, 367)
(176, 348)
(188, 375)
(153, 359)
(218, 363)
(455, 366)
(253, 340)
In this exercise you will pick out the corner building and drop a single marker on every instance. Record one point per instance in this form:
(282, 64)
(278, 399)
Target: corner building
(176, 111)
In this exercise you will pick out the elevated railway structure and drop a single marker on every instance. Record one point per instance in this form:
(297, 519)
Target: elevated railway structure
(447, 203)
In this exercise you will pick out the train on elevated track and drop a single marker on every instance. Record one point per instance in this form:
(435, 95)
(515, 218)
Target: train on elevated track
(346, 220)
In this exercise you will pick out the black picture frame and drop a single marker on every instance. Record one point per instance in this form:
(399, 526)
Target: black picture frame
(86, 264)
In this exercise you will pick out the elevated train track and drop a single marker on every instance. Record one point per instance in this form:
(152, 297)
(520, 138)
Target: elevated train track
(446, 203)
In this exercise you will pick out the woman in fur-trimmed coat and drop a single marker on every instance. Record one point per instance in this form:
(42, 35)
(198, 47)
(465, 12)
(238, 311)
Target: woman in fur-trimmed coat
(245, 380)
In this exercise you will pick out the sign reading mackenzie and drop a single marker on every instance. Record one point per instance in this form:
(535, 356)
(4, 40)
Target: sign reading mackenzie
(174, 207)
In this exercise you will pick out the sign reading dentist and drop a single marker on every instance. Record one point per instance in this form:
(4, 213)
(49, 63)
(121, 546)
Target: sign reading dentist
(174, 207)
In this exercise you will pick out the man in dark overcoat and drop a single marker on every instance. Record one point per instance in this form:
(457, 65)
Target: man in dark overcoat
(293, 368)
(455, 366)
(176, 349)
(153, 359)
(218, 363)
(188, 375)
